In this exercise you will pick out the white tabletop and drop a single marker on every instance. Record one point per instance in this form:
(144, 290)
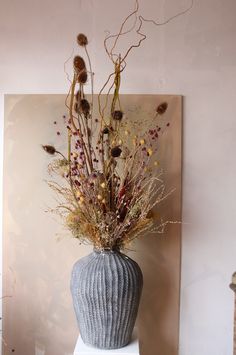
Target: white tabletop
(130, 349)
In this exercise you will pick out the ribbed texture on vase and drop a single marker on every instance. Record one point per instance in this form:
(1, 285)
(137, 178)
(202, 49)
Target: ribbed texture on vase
(106, 289)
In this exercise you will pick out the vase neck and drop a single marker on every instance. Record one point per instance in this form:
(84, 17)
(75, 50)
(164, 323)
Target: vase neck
(106, 250)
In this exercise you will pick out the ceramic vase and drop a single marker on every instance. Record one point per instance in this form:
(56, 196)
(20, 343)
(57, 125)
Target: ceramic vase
(106, 288)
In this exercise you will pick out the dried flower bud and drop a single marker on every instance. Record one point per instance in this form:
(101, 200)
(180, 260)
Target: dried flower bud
(49, 149)
(116, 152)
(79, 63)
(162, 108)
(84, 107)
(82, 40)
(105, 130)
(117, 115)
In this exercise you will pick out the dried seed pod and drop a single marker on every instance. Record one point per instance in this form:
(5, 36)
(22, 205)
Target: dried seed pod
(82, 77)
(116, 152)
(49, 149)
(117, 115)
(82, 40)
(79, 64)
(84, 107)
(105, 130)
(162, 108)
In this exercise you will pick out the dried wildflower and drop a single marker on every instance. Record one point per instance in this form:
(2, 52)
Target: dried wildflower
(117, 115)
(49, 149)
(116, 152)
(162, 108)
(82, 40)
(84, 107)
(79, 64)
(149, 151)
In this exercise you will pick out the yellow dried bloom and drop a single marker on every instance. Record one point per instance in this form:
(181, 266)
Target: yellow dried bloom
(99, 197)
(81, 199)
(78, 193)
(104, 201)
(103, 185)
(149, 151)
(142, 141)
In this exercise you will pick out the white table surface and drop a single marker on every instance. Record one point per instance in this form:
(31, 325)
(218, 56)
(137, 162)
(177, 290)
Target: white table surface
(130, 349)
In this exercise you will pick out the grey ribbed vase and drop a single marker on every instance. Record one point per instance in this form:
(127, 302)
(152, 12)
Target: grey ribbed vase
(106, 287)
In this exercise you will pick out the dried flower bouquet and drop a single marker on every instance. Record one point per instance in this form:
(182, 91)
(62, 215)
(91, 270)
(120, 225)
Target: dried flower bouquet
(110, 178)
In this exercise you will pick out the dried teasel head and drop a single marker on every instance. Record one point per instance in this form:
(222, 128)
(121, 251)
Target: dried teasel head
(161, 109)
(49, 149)
(79, 64)
(117, 115)
(82, 40)
(82, 77)
(84, 107)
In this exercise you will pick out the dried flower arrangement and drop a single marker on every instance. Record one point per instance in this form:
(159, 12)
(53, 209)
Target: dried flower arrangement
(109, 188)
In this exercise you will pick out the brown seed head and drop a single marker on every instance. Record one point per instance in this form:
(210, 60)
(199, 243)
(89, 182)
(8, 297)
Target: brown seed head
(84, 107)
(82, 77)
(117, 115)
(82, 40)
(49, 149)
(79, 64)
(162, 108)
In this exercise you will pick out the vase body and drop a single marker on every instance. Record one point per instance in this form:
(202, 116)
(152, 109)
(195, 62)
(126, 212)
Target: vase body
(106, 288)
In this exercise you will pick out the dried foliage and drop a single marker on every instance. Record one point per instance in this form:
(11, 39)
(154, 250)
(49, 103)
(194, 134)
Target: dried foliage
(108, 187)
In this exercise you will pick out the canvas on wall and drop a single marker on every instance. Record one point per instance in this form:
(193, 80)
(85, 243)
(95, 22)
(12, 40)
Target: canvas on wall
(39, 254)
